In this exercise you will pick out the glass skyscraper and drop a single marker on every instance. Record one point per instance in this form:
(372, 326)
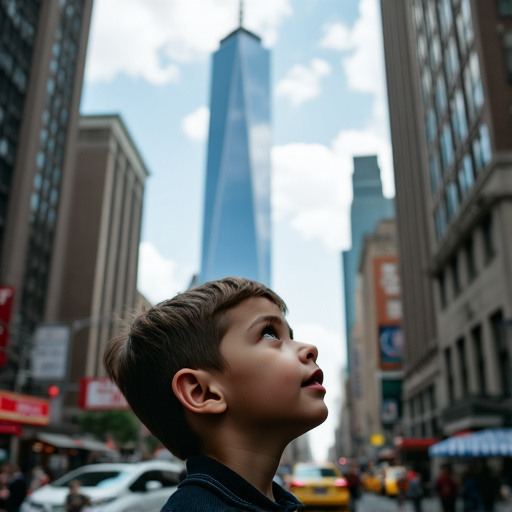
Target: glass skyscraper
(236, 229)
(369, 206)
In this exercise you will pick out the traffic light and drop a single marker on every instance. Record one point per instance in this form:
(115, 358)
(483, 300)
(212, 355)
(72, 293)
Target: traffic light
(53, 391)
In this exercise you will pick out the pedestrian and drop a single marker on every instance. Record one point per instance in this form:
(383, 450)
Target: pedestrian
(471, 490)
(354, 485)
(490, 488)
(215, 374)
(75, 500)
(4, 488)
(402, 484)
(447, 489)
(39, 478)
(415, 489)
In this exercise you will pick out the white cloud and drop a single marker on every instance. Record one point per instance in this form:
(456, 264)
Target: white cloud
(331, 358)
(303, 83)
(149, 38)
(312, 185)
(363, 59)
(195, 125)
(158, 277)
(337, 37)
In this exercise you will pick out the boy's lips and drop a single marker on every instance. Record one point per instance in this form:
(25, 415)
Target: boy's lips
(315, 381)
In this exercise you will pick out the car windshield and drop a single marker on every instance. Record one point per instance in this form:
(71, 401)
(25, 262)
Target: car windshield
(315, 472)
(93, 478)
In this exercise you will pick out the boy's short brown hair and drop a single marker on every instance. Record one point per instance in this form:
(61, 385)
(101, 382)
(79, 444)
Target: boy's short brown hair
(183, 332)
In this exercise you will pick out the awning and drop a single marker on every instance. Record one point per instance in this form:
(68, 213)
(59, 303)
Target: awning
(414, 443)
(485, 443)
(80, 443)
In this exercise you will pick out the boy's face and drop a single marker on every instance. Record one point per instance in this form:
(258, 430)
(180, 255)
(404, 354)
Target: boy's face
(270, 380)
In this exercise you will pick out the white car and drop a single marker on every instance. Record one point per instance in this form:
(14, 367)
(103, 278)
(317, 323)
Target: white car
(112, 487)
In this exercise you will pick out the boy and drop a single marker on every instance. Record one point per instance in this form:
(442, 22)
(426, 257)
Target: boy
(214, 373)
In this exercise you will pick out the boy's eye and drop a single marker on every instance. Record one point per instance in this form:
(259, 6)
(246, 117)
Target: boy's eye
(270, 332)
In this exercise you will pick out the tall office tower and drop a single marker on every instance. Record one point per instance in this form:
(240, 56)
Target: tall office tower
(98, 284)
(236, 228)
(369, 206)
(42, 56)
(450, 99)
(415, 223)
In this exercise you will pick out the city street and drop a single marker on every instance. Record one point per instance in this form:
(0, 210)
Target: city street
(374, 503)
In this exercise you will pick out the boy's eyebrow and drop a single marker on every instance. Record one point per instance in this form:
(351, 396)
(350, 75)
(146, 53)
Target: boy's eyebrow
(271, 319)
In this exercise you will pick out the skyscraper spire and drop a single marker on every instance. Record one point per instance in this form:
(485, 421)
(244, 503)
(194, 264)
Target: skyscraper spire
(241, 13)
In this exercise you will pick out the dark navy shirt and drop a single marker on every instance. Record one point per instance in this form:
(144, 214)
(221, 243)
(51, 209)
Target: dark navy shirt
(212, 487)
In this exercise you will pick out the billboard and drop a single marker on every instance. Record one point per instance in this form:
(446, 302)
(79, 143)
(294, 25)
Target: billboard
(6, 300)
(388, 298)
(98, 394)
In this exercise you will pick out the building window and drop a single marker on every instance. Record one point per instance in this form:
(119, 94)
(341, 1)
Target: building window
(459, 122)
(449, 374)
(465, 30)
(476, 335)
(441, 101)
(461, 351)
(451, 60)
(446, 146)
(482, 151)
(505, 7)
(452, 200)
(507, 43)
(445, 16)
(499, 331)
(442, 290)
(435, 173)
(435, 53)
(466, 176)
(431, 126)
(454, 268)
(426, 85)
(431, 22)
(470, 258)
(440, 218)
(422, 48)
(488, 238)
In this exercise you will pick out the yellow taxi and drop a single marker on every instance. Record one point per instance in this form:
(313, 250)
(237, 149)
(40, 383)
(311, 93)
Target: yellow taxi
(372, 480)
(391, 476)
(319, 484)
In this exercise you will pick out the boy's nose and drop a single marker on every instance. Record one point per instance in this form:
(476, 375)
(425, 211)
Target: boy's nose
(308, 351)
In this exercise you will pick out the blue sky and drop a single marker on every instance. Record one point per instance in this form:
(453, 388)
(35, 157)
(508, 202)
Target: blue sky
(150, 61)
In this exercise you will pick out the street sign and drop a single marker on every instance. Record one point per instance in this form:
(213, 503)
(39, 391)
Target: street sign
(50, 356)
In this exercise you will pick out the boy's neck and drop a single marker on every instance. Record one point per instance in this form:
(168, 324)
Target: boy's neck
(255, 463)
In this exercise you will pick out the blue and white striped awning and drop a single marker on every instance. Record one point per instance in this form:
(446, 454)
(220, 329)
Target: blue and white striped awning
(485, 443)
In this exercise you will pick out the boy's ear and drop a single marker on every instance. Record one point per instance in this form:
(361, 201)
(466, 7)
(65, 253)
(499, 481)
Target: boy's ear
(197, 392)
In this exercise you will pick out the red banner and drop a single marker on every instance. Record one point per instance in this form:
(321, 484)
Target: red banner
(100, 394)
(6, 300)
(29, 410)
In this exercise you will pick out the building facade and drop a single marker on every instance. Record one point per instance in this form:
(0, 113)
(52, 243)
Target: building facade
(450, 92)
(369, 206)
(42, 59)
(236, 228)
(98, 279)
(377, 343)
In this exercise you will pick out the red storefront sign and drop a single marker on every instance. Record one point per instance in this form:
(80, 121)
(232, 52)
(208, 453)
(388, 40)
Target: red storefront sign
(6, 300)
(24, 409)
(100, 394)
